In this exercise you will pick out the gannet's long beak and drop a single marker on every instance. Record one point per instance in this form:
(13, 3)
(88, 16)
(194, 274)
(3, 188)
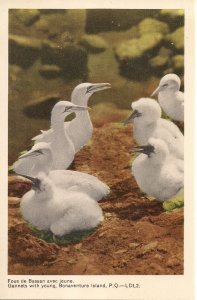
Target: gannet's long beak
(35, 181)
(132, 116)
(155, 91)
(32, 153)
(79, 107)
(96, 87)
(146, 149)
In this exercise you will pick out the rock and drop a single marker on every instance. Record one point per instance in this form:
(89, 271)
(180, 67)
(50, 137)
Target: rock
(136, 48)
(70, 57)
(99, 20)
(150, 25)
(28, 16)
(172, 13)
(43, 25)
(176, 38)
(93, 43)
(50, 71)
(133, 245)
(13, 201)
(148, 248)
(173, 261)
(23, 51)
(41, 107)
(160, 60)
(174, 17)
(121, 251)
(178, 62)
(133, 56)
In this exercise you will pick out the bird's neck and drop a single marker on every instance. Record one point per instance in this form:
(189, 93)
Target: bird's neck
(57, 123)
(80, 100)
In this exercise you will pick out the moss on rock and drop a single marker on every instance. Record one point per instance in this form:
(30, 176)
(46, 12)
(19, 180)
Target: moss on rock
(93, 43)
(176, 38)
(150, 25)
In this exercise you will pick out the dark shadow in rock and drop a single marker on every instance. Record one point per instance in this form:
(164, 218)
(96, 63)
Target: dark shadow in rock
(99, 20)
(23, 51)
(136, 209)
(42, 108)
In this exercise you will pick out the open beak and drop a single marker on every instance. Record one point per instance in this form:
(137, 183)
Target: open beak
(146, 149)
(132, 116)
(32, 153)
(35, 181)
(156, 91)
(96, 87)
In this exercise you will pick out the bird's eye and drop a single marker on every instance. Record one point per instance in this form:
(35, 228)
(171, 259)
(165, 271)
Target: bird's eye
(67, 108)
(38, 151)
(88, 90)
(164, 85)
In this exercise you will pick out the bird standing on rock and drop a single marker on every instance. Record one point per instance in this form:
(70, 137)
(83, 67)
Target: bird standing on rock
(147, 123)
(170, 98)
(50, 208)
(39, 158)
(157, 173)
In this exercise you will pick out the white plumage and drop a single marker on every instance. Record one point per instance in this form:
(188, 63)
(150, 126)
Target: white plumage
(39, 158)
(50, 208)
(80, 129)
(147, 123)
(170, 98)
(157, 173)
(63, 150)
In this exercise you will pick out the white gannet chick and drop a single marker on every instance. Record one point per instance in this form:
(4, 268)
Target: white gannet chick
(157, 173)
(170, 98)
(147, 123)
(80, 129)
(39, 158)
(63, 150)
(48, 207)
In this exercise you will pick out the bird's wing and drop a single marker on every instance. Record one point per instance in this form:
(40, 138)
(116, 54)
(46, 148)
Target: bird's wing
(171, 128)
(78, 181)
(45, 136)
(24, 166)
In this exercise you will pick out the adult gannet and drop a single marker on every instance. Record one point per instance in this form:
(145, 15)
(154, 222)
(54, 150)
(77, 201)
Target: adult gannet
(39, 158)
(51, 208)
(147, 123)
(79, 129)
(157, 173)
(170, 98)
(63, 150)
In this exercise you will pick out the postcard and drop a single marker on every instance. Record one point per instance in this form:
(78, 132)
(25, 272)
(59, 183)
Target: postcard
(97, 182)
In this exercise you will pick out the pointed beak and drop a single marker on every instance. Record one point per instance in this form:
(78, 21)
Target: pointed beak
(132, 116)
(79, 107)
(35, 181)
(96, 87)
(155, 91)
(146, 149)
(32, 153)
